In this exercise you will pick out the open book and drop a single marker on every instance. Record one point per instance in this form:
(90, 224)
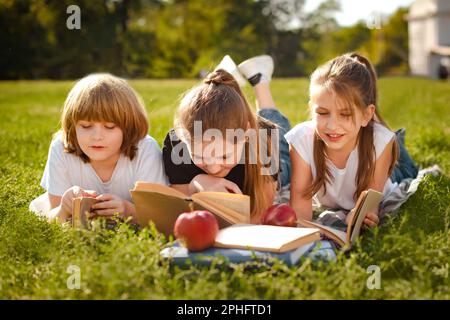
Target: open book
(163, 205)
(265, 237)
(368, 201)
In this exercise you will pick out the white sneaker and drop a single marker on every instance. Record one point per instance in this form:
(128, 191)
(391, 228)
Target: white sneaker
(228, 65)
(258, 69)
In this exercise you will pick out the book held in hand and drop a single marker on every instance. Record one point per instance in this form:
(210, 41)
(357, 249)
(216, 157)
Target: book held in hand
(82, 212)
(162, 205)
(83, 215)
(368, 201)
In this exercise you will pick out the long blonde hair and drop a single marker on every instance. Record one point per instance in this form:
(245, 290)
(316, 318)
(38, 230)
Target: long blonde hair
(353, 79)
(105, 98)
(220, 104)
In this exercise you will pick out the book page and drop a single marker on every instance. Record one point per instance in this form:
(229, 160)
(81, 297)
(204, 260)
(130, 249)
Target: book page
(337, 235)
(221, 220)
(265, 237)
(160, 188)
(224, 212)
(370, 204)
(238, 204)
(356, 210)
(160, 208)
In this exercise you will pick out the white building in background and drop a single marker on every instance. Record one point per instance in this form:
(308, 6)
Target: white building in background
(429, 37)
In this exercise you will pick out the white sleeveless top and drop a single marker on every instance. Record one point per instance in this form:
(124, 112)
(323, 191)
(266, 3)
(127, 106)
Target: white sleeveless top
(340, 193)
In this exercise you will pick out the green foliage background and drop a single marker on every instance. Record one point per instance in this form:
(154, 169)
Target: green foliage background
(180, 38)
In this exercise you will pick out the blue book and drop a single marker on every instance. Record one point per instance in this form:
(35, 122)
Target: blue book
(318, 250)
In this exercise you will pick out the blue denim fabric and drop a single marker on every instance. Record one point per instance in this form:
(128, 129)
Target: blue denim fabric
(405, 168)
(279, 119)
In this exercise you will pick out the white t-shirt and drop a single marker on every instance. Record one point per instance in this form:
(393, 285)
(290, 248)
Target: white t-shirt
(340, 193)
(65, 170)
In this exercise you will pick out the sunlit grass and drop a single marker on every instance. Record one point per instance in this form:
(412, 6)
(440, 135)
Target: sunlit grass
(412, 249)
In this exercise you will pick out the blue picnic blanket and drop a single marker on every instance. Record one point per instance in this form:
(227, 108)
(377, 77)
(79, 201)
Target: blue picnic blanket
(319, 250)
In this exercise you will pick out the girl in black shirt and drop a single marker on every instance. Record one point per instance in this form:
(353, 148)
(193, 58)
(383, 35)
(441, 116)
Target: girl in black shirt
(219, 144)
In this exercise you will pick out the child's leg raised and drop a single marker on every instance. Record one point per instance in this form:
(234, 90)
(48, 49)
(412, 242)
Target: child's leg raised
(258, 71)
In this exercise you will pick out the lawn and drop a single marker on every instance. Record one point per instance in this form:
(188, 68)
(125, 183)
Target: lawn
(411, 249)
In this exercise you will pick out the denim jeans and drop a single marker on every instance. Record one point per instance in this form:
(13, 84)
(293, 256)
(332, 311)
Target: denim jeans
(282, 122)
(405, 168)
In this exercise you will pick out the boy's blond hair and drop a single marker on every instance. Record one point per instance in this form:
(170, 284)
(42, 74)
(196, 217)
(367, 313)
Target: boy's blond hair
(105, 98)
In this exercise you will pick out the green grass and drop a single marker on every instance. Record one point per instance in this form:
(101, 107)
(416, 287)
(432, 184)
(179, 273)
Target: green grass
(412, 248)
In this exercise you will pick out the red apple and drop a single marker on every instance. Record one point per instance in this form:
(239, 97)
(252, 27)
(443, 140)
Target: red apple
(280, 215)
(196, 230)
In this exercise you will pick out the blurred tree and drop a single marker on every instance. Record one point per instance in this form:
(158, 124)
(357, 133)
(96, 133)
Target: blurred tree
(315, 36)
(352, 38)
(394, 52)
(181, 38)
(22, 34)
(184, 31)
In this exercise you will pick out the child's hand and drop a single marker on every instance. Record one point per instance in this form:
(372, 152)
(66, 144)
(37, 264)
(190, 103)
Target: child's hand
(66, 206)
(371, 220)
(108, 205)
(205, 182)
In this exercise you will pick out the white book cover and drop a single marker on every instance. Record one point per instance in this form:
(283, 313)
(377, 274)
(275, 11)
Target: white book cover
(265, 237)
